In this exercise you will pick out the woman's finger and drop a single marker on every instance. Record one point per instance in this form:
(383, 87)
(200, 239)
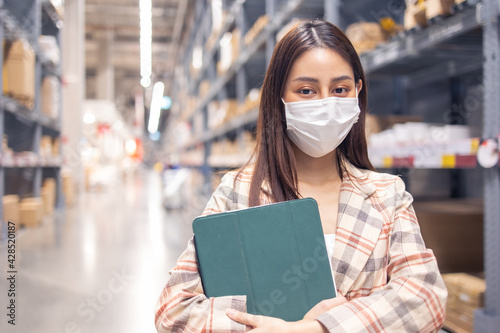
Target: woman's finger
(244, 318)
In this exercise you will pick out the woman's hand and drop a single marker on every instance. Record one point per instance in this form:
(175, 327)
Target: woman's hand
(260, 324)
(324, 306)
(263, 324)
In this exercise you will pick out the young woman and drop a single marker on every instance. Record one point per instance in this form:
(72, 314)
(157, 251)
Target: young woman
(311, 143)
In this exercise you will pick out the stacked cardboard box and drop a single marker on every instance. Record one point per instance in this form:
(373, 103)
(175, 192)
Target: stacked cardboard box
(377, 124)
(252, 100)
(419, 12)
(46, 146)
(11, 208)
(219, 16)
(465, 295)
(437, 8)
(249, 142)
(55, 147)
(256, 29)
(229, 51)
(220, 112)
(215, 115)
(5, 145)
(205, 86)
(31, 212)
(50, 96)
(19, 72)
(49, 50)
(231, 107)
(59, 7)
(68, 187)
(415, 14)
(49, 195)
(445, 224)
(365, 36)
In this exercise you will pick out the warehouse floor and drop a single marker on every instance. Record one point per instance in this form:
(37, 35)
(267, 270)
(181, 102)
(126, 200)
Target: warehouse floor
(98, 266)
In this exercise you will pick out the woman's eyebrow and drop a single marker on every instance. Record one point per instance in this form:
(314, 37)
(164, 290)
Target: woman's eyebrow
(314, 80)
(341, 78)
(306, 79)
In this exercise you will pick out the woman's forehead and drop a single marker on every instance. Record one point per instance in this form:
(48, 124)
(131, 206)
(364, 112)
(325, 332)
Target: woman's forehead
(320, 62)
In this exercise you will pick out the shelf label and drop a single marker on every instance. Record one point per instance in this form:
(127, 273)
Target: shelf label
(446, 32)
(387, 162)
(448, 162)
(466, 161)
(474, 145)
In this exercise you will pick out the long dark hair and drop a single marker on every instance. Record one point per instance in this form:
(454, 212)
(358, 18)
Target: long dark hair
(275, 159)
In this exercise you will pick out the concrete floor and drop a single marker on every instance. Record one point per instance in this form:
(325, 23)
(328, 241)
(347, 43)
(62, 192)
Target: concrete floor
(98, 266)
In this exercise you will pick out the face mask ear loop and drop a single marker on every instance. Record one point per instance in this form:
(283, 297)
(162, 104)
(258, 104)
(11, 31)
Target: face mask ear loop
(356, 91)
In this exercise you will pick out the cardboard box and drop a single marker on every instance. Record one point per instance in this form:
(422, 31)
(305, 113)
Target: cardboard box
(10, 208)
(50, 50)
(49, 195)
(51, 96)
(232, 108)
(229, 51)
(68, 186)
(19, 72)
(465, 295)
(205, 86)
(415, 16)
(31, 212)
(437, 8)
(256, 29)
(55, 147)
(445, 225)
(252, 100)
(377, 124)
(46, 146)
(365, 36)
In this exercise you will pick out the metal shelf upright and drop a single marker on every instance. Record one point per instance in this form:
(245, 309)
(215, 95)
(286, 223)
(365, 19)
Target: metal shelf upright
(487, 320)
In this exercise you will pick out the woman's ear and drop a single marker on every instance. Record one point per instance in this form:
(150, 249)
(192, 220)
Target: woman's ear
(359, 85)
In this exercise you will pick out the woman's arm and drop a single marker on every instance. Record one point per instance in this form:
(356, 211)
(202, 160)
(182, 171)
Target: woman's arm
(413, 299)
(183, 306)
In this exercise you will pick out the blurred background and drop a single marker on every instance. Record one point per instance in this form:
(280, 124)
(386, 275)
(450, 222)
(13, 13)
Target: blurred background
(119, 118)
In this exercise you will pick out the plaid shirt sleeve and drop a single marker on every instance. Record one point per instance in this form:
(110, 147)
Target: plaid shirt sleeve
(412, 294)
(183, 306)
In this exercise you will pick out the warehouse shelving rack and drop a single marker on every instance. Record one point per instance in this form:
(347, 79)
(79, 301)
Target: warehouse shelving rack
(464, 44)
(488, 319)
(23, 175)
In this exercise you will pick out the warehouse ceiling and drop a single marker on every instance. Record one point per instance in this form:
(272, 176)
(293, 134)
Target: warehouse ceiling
(114, 25)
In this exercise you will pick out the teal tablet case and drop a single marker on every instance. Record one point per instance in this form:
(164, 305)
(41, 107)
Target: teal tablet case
(273, 254)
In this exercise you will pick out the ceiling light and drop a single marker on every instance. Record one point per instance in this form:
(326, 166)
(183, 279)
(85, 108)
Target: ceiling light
(155, 109)
(145, 41)
(130, 146)
(197, 57)
(89, 118)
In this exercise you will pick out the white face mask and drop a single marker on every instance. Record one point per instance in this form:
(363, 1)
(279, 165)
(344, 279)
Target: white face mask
(317, 127)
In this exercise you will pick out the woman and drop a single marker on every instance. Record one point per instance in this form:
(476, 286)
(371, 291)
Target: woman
(311, 143)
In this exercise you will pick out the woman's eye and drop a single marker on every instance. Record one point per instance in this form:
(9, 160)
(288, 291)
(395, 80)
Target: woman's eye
(306, 91)
(340, 90)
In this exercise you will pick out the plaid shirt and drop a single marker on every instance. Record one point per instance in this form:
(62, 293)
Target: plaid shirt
(391, 281)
